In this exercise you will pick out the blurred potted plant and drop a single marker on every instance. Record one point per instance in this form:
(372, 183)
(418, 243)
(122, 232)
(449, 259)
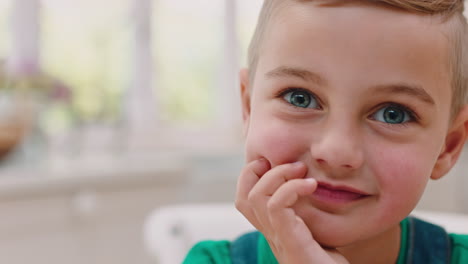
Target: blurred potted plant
(23, 97)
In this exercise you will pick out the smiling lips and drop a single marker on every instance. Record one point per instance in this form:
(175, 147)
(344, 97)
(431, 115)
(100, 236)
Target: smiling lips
(337, 194)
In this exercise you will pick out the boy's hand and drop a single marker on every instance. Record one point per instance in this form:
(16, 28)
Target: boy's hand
(266, 196)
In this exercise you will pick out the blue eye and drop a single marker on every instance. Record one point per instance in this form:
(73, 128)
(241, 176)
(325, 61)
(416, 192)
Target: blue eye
(393, 115)
(301, 99)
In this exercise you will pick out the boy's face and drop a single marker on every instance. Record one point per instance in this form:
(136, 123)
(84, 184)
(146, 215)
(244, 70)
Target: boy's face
(361, 95)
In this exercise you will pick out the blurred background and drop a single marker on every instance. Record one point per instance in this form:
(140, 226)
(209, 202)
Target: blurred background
(110, 109)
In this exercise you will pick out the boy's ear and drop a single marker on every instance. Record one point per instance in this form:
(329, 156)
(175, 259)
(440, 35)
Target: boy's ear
(245, 97)
(454, 142)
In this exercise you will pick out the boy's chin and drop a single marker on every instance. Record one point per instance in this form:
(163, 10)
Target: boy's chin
(331, 233)
(328, 241)
(332, 239)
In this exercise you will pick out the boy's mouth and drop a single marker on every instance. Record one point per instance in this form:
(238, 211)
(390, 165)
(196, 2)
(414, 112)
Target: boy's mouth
(338, 194)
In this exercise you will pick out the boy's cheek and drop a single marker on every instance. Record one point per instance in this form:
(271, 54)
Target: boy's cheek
(402, 180)
(274, 143)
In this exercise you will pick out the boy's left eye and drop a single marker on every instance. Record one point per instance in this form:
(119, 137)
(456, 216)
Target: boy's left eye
(393, 114)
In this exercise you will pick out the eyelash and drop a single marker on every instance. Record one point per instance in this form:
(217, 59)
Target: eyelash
(283, 93)
(413, 117)
(412, 114)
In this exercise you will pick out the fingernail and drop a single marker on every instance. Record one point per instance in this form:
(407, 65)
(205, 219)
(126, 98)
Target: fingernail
(312, 181)
(298, 164)
(264, 162)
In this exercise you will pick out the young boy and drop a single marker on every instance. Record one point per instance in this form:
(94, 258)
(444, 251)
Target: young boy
(350, 107)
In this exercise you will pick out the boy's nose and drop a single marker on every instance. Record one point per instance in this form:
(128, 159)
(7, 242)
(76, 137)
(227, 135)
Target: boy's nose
(338, 150)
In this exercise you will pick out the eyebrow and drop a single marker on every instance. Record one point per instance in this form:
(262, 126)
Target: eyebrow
(285, 71)
(408, 89)
(306, 75)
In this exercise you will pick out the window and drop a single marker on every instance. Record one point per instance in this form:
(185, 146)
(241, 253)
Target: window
(195, 50)
(4, 29)
(86, 44)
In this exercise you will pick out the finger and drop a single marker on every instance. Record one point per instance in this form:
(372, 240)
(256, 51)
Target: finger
(289, 227)
(268, 185)
(250, 175)
(336, 256)
(292, 234)
(280, 211)
(288, 194)
(277, 176)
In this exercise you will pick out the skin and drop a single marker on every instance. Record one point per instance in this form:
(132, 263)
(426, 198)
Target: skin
(357, 55)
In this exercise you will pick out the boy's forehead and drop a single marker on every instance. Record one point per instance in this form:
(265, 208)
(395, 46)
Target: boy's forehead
(353, 11)
(308, 22)
(396, 44)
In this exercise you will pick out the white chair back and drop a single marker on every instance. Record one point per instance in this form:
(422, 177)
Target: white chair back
(452, 222)
(171, 231)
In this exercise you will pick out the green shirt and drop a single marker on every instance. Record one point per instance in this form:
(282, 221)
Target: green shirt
(218, 252)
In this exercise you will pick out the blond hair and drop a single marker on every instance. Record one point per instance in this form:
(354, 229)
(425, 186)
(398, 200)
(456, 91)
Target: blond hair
(451, 12)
